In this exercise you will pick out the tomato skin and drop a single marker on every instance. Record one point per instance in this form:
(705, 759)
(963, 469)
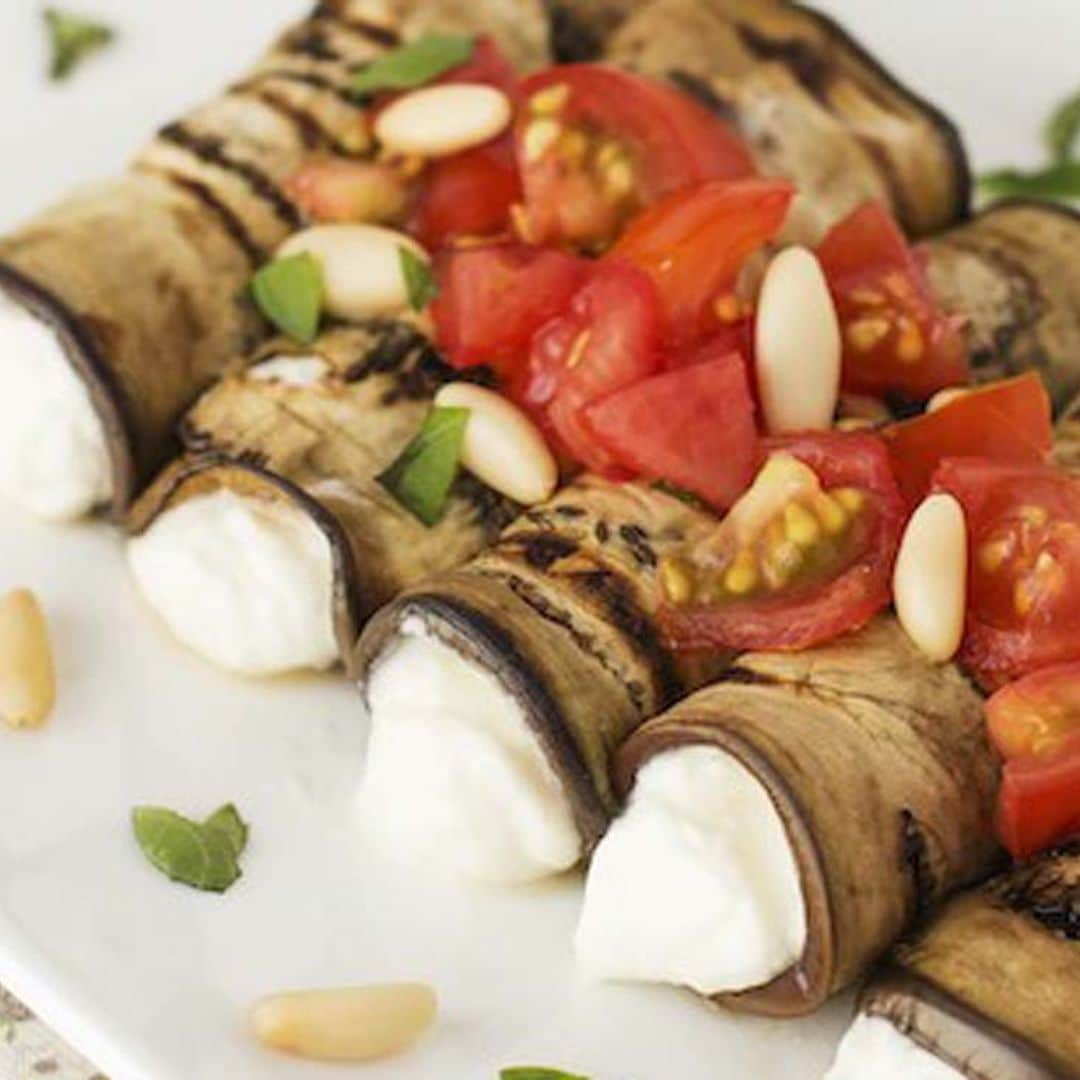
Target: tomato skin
(1036, 715)
(1002, 640)
(493, 299)
(668, 139)
(1039, 801)
(842, 605)
(1004, 421)
(693, 427)
(607, 339)
(866, 256)
(694, 243)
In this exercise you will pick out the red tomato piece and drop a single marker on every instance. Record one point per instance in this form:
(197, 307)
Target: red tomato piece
(693, 427)
(1024, 566)
(801, 566)
(339, 189)
(1039, 801)
(1004, 421)
(1036, 715)
(606, 340)
(597, 144)
(493, 299)
(694, 243)
(896, 338)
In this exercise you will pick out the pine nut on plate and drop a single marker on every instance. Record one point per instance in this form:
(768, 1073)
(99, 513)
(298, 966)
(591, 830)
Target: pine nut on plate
(359, 1023)
(27, 678)
(503, 447)
(441, 120)
(361, 267)
(930, 579)
(798, 345)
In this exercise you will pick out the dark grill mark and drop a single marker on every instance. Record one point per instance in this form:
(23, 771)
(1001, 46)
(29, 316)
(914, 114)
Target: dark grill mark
(381, 35)
(1047, 891)
(915, 857)
(637, 540)
(493, 511)
(229, 221)
(542, 550)
(704, 92)
(211, 149)
(809, 69)
(310, 41)
(602, 532)
(312, 134)
(571, 513)
(311, 79)
(394, 344)
(571, 40)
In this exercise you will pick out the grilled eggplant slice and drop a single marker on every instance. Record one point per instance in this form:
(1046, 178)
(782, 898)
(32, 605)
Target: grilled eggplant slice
(140, 277)
(320, 446)
(814, 106)
(989, 987)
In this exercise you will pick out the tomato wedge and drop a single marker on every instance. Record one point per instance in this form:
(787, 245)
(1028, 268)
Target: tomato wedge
(1037, 714)
(1039, 801)
(607, 339)
(596, 144)
(1004, 421)
(805, 555)
(694, 243)
(493, 299)
(693, 427)
(1024, 566)
(896, 338)
(471, 193)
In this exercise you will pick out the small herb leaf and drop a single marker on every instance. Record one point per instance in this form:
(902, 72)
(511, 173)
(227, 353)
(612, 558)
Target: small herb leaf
(1057, 182)
(289, 293)
(1063, 130)
(420, 283)
(421, 478)
(203, 856)
(72, 39)
(537, 1072)
(415, 64)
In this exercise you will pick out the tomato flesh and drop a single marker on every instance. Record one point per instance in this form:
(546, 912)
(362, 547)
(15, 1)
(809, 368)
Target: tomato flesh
(1039, 801)
(1036, 715)
(896, 338)
(694, 243)
(596, 144)
(1006, 421)
(1024, 565)
(821, 551)
(693, 427)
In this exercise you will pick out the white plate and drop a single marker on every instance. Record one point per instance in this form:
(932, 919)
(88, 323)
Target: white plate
(151, 980)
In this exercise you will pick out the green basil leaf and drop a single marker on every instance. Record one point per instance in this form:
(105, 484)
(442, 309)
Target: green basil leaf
(421, 478)
(72, 39)
(415, 64)
(203, 856)
(1057, 182)
(1063, 130)
(420, 283)
(289, 293)
(537, 1072)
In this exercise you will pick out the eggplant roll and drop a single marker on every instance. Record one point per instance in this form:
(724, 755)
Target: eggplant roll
(119, 306)
(812, 104)
(568, 669)
(987, 991)
(266, 546)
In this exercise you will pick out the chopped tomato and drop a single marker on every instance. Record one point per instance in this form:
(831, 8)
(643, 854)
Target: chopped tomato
(471, 193)
(1024, 566)
(597, 144)
(493, 299)
(340, 189)
(693, 427)
(1037, 714)
(734, 337)
(1004, 421)
(607, 339)
(896, 338)
(805, 555)
(694, 243)
(1039, 801)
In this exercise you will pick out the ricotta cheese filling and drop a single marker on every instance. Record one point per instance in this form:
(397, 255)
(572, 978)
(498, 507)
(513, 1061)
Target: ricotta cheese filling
(873, 1049)
(696, 883)
(54, 455)
(455, 776)
(247, 583)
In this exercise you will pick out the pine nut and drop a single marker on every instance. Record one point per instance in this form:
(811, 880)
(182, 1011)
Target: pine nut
(797, 345)
(441, 120)
(947, 397)
(503, 447)
(361, 267)
(930, 579)
(27, 678)
(349, 1024)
